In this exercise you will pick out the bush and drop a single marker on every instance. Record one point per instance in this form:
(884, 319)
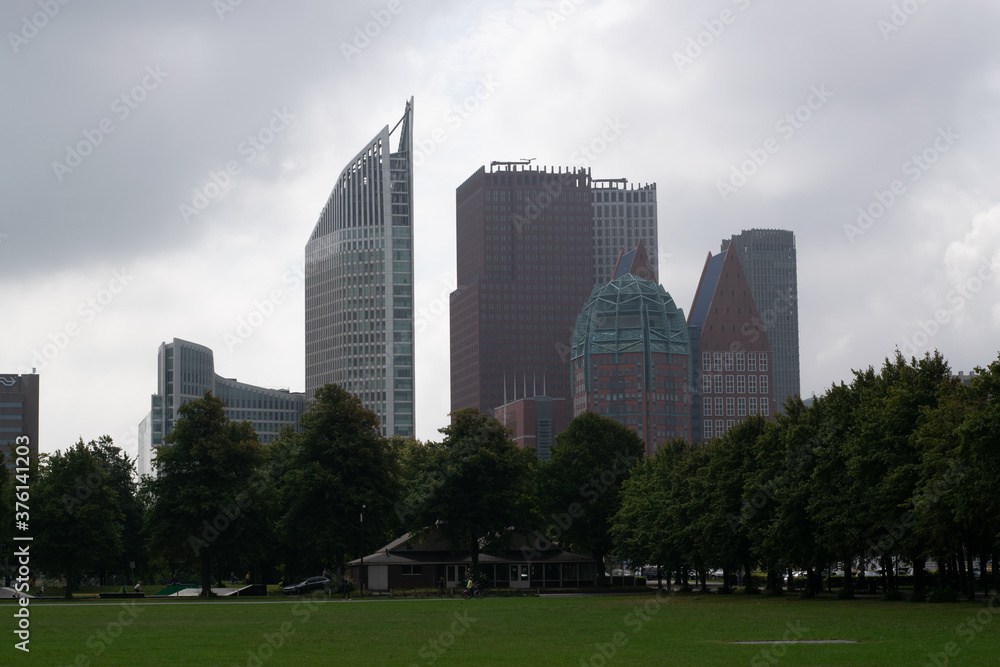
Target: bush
(942, 595)
(726, 590)
(805, 594)
(776, 592)
(640, 581)
(845, 594)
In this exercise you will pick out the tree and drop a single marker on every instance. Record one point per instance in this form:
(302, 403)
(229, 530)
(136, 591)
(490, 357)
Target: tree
(76, 515)
(338, 463)
(474, 485)
(203, 505)
(580, 486)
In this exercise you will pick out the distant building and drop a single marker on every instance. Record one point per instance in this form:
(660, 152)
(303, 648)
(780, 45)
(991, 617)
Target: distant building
(733, 368)
(525, 255)
(623, 216)
(534, 420)
(632, 356)
(18, 414)
(359, 282)
(769, 261)
(185, 371)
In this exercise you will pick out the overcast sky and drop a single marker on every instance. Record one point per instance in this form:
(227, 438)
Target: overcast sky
(121, 227)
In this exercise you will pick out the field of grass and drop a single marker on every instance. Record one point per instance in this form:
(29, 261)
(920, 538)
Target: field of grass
(596, 631)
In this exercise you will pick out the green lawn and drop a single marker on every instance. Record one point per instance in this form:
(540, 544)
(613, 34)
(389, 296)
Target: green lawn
(630, 630)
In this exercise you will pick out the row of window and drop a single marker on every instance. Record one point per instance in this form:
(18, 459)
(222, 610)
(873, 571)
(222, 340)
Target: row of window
(739, 407)
(745, 384)
(718, 360)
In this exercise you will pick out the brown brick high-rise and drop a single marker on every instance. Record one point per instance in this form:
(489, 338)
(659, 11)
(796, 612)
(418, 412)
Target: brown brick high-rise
(525, 270)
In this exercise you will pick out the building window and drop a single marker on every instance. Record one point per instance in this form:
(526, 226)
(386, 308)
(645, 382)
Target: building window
(708, 428)
(765, 408)
(729, 384)
(730, 423)
(763, 384)
(752, 389)
(753, 405)
(730, 408)
(706, 406)
(751, 361)
(718, 427)
(763, 361)
(740, 358)
(413, 569)
(741, 407)
(706, 384)
(729, 361)
(741, 384)
(706, 361)
(718, 384)
(718, 361)
(718, 406)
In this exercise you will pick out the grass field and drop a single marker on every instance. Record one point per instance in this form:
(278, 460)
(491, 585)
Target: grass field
(595, 631)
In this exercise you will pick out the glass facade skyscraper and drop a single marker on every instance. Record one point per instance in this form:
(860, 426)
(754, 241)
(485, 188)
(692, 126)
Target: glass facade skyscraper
(768, 260)
(184, 372)
(359, 282)
(623, 216)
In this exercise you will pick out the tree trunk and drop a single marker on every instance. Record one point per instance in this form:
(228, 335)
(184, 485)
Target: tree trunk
(599, 578)
(971, 582)
(206, 573)
(474, 559)
(918, 576)
(725, 578)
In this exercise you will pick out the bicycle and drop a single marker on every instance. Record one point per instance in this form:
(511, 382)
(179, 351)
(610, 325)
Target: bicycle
(470, 593)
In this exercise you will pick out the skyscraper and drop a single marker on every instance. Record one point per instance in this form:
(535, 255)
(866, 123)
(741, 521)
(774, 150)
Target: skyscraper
(730, 349)
(632, 356)
(768, 259)
(18, 415)
(184, 372)
(525, 268)
(623, 216)
(359, 282)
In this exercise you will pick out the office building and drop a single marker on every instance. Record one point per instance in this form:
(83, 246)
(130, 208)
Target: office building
(632, 356)
(525, 251)
(623, 216)
(769, 261)
(184, 372)
(534, 419)
(359, 282)
(18, 414)
(733, 372)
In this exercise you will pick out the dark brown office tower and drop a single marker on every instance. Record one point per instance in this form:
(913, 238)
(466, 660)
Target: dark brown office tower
(18, 416)
(525, 270)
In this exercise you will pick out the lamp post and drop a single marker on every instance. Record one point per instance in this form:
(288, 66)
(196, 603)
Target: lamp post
(361, 570)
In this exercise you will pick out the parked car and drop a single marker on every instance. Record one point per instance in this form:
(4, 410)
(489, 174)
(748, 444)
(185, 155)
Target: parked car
(306, 586)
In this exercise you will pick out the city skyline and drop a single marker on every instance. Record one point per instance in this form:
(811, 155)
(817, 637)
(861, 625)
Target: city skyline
(169, 163)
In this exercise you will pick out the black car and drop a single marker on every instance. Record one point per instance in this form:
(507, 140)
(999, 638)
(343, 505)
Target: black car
(306, 586)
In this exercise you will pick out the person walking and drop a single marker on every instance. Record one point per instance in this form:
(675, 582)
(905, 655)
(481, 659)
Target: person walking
(347, 586)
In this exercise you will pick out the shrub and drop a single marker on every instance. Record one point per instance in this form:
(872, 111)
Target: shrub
(892, 596)
(845, 594)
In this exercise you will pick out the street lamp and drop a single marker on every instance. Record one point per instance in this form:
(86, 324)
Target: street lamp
(361, 570)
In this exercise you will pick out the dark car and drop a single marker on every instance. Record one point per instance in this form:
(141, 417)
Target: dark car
(306, 586)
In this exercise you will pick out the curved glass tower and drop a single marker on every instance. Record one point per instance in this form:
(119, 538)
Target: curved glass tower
(631, 360)
(359, 282)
